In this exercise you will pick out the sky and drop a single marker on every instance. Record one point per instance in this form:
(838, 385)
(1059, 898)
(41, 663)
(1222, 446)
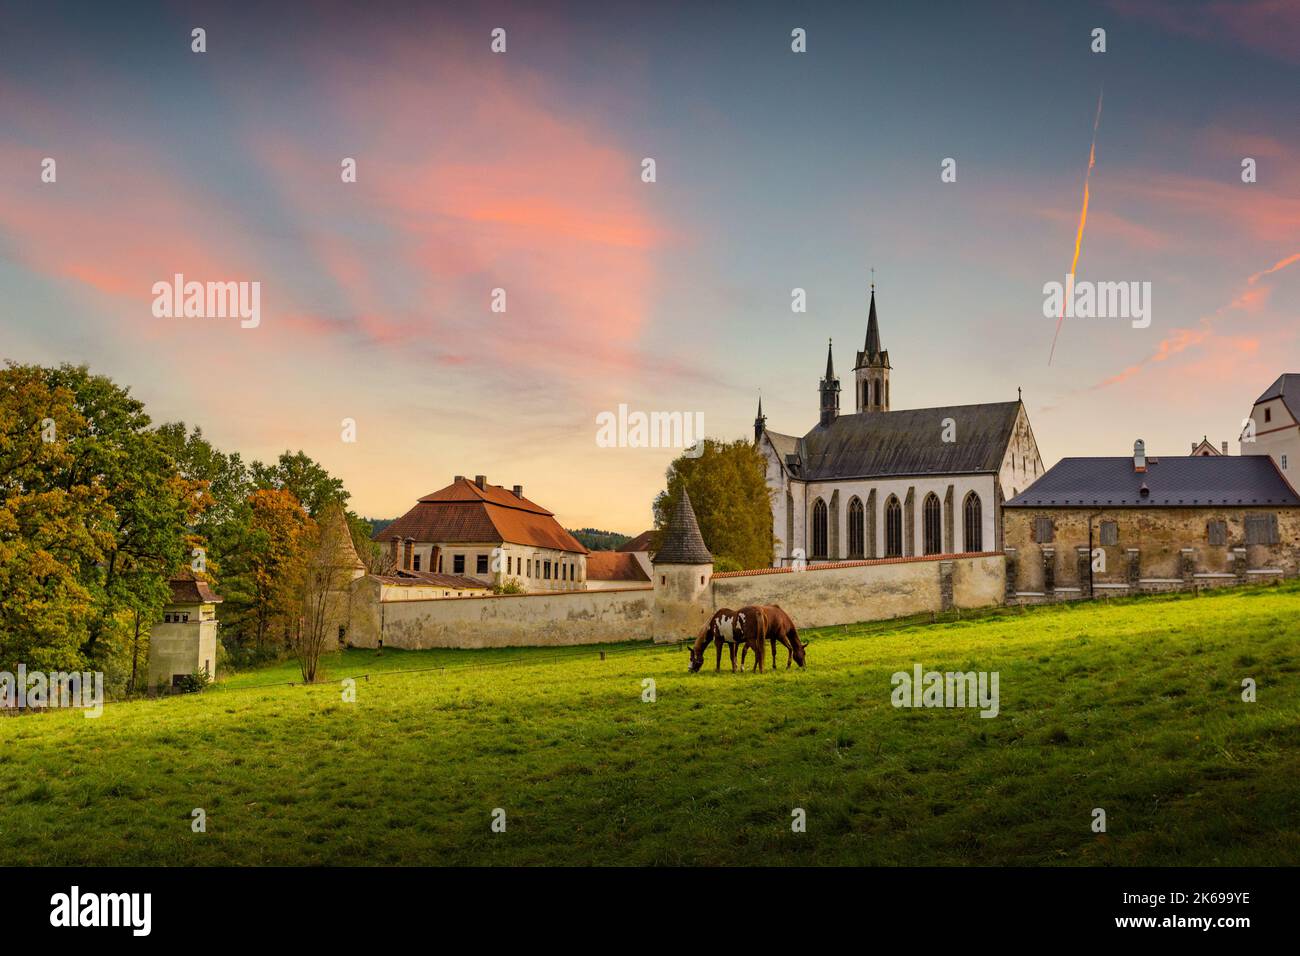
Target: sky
(523, 171)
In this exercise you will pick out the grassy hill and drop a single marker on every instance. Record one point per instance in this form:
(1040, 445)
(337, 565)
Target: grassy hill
(1134, 707)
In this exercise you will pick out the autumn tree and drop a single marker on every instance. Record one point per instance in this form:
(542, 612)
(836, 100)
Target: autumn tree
(262, 575)
(329, 570)
(731, 500)
(94, 515)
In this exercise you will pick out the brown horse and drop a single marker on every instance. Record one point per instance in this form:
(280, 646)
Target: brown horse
(729, 627)
(779, 627)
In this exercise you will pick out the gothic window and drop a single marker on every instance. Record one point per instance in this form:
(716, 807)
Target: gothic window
(933, 540)
(856, 527)
(819, 529)
(893, 528)
(972, 524)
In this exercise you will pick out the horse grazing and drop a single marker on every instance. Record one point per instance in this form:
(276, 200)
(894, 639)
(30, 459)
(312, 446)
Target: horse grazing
(723, 628)
(778, 627)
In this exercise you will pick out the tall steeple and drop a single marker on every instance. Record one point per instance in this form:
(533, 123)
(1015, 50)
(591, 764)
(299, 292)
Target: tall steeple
(760, 422)
(830, 391)
(873, 327)
(871, 372)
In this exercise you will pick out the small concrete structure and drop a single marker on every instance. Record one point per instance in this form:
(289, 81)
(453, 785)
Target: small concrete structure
(185, 641)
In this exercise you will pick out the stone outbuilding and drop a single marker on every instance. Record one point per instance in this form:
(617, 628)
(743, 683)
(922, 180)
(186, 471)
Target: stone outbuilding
(185, 641)
(1094, 526)
(682, 569)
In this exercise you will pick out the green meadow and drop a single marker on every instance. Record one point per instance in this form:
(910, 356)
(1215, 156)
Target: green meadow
(1134, 707)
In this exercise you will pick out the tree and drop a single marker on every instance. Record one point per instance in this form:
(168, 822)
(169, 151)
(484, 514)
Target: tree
(731, 500)
(263, 569)
(304, 479)
(325, 578)
(93, 515)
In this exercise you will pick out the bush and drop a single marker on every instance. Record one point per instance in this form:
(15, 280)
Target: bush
(193, 683)
(510, 587)
(723, 562)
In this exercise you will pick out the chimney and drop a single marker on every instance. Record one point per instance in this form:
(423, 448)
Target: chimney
(459, 478)
(481, 481)
(1139, 455)
(519, 489)
(409, 554)
(1225, 447)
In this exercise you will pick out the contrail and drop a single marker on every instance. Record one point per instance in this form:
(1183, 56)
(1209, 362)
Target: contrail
(1083, 218)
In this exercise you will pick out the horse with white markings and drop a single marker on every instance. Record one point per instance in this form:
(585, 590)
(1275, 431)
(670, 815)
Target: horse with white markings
(725, 627)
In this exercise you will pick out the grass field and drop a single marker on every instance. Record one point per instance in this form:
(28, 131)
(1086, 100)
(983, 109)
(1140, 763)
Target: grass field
(1134, 707)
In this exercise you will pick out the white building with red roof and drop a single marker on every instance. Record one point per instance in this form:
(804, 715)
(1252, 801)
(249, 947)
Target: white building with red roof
(487, 533)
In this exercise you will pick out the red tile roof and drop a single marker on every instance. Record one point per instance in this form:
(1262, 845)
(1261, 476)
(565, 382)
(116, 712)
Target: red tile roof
(186, 589)
(464, 513)
(429, 579)
(641, 542)
(614, 566)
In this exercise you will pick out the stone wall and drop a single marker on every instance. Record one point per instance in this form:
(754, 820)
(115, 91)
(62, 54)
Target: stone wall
(677, 605)
(1157, 549)
(853, 591)
(506, 620)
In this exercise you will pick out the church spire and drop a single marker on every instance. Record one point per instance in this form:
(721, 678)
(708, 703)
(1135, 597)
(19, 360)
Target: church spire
(871, 373)
(760, 422)
(873, 328)
(830, 391)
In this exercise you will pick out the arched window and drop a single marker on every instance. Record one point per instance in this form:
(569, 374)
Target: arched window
(933, 534)
(856, 527)
(973, 524)
(893, 528)
(819, 529)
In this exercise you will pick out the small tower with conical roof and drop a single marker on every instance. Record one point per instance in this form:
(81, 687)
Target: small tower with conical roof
(760, 423)
(830, 391)
(682, 568)
(871, 372)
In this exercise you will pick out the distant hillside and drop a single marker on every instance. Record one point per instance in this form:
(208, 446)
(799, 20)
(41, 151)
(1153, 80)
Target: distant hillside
(595, 540)
(379, 524)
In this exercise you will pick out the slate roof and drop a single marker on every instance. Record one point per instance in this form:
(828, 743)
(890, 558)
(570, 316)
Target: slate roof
(615, 566)
(1176, 481)
(464, 513)
(1287, 388)
(682, 541)
(906, 442)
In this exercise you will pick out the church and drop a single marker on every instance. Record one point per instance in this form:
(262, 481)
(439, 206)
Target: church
(881, 483)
